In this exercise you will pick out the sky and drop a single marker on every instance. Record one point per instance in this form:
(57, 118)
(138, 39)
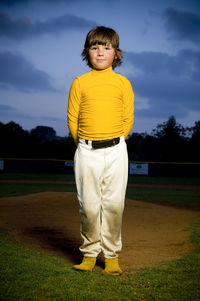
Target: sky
(40, 55)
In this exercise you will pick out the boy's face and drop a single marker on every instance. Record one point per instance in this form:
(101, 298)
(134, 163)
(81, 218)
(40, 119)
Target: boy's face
(101, 56)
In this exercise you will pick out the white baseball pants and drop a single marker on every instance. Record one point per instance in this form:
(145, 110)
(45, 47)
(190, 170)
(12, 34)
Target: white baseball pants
(101, 180)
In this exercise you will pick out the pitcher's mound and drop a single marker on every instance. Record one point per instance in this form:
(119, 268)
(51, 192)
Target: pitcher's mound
(49, 221)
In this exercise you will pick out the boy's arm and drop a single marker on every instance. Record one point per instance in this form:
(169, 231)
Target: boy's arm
(73, 109)
(128, 108)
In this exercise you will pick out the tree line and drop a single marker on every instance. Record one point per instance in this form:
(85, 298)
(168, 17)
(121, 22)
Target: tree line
(168, 142)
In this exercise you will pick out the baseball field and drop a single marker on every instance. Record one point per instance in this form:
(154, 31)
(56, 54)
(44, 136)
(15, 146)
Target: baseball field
(39, 223)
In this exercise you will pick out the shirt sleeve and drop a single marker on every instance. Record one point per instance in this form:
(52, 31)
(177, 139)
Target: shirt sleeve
(128, 108)
(73, 109)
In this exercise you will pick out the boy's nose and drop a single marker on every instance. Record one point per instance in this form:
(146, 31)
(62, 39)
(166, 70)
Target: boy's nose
(100, 50)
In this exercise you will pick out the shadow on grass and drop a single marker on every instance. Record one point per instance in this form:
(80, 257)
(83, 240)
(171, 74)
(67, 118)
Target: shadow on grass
(55, 240)
(60, 243)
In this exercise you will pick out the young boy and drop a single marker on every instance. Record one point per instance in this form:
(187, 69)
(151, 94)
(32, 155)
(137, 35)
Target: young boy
(100, 117)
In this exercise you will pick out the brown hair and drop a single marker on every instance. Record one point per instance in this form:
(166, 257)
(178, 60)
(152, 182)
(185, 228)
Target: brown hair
(101, 35)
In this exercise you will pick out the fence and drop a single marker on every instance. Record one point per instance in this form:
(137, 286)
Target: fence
(169, 169)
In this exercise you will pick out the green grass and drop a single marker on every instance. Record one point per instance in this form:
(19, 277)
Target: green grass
(29, 275)
(16, 189)
(181, 197)
(178, 197)
(132, 179)
(164, 180)
(37, 176)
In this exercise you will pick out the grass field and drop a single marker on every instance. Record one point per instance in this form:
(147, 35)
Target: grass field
(26, 274)
(132, 179)
(181, 197)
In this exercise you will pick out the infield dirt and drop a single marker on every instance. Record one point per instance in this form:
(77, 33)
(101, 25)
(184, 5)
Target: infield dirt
(49, 222)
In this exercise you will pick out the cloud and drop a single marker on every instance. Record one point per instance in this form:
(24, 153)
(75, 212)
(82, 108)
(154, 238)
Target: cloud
(19, 74)
(186, 64)
(29, 121)
(11, 2)
(24, 28)
(18, 2)
(9, 113)
(182, 25)
(171, 84)
(7, 110)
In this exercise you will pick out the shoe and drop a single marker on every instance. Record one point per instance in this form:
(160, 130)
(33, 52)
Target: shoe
(87, 264)
(112, 267)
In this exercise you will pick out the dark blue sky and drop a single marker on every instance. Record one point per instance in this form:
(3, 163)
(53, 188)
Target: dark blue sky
(41, 42)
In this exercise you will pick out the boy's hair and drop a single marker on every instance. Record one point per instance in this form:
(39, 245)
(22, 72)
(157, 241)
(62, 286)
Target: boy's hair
(101, 35)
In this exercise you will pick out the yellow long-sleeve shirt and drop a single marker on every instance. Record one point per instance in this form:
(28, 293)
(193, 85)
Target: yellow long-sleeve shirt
(100, 106)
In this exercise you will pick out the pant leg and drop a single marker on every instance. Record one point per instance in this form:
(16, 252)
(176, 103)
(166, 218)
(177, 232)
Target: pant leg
(89, 165)
(113, 195)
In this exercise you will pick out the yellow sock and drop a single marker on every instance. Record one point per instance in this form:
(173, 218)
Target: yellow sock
(87, 264)
(112, 267)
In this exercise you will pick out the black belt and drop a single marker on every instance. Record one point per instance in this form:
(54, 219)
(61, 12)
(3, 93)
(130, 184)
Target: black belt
(104, 143)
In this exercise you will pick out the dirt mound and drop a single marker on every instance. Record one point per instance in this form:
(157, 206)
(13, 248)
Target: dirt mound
(49, 221)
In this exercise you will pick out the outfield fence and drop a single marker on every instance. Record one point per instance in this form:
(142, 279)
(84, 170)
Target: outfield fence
(23, 165)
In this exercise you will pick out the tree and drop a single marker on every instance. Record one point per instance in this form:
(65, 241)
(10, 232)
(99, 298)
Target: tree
(135, 146)
(172, 140)
(13, 139)
(43, 133)
(142, 147)
(195, 141)
(169, 129)
(196, 130)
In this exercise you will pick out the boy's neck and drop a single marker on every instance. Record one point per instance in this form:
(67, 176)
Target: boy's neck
(102, 70)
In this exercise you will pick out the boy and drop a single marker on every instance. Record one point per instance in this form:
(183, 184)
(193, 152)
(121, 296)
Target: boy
(100, 117)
